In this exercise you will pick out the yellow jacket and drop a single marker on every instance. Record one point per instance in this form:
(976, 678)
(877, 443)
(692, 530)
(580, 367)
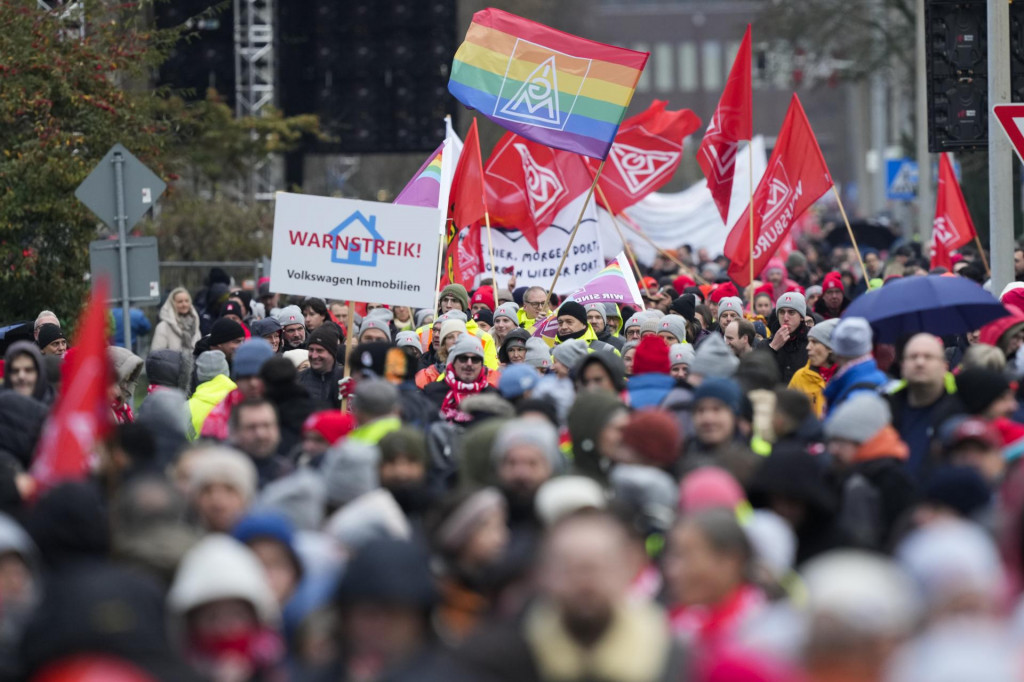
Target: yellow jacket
(490, 349)
(525, 322)
(208, 395)
(809, 382)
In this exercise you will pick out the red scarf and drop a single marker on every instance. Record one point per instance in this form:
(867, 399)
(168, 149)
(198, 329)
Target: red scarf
(260, 648)
(122, 412)
(827, 372)
(457, 391)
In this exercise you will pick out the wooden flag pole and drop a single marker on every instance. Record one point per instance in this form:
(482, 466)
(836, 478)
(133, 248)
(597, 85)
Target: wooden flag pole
(984, 259)
(625, 245)
(350, 323)
(853, 240)
(750, 220)
(490, 248)
(440, 263)
(572, 235)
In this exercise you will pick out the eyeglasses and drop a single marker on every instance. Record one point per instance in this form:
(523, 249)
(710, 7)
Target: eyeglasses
(535, 304)
(469, 359)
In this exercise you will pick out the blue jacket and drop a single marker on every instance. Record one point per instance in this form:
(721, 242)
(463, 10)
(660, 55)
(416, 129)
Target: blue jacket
(140, 326)
(863, 376)
(649, 390)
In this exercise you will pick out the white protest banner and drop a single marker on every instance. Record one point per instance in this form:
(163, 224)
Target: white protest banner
(353, 250)
(537, 268)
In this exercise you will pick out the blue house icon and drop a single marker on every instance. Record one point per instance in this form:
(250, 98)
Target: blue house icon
(358, 226)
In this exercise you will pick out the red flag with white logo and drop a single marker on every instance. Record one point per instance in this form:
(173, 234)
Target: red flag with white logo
(646, 153)
(731, 123)
(81, 416)
(796, 177)
(528, 184)
(952, 227)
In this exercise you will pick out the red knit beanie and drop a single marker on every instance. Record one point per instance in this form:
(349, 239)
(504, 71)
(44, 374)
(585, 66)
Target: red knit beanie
(485, 295)
(653, 434)
(651, 356)
(681, 282)
(723, 290)
(331, 424)
(833, 280)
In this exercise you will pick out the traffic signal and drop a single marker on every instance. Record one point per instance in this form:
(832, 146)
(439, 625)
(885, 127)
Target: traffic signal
(957, 67)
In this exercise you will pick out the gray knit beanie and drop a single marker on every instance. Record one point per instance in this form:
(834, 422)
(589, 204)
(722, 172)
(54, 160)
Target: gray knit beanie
(714, 358)
(570, 352)
(859, 418)
(538, 354)
(674, 325)
(681, 354)
(349, 470)
(598, 308)
(210, 364)
(822, 332)
(508, 310)
(537, 433)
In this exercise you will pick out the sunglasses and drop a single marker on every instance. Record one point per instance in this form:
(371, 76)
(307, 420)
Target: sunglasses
(469, 359)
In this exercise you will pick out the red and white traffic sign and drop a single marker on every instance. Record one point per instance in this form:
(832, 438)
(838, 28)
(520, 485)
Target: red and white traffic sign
(1011, 118)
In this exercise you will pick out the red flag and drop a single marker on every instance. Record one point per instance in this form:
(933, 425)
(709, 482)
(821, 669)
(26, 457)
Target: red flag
(796, 177)
(644, 156)
(463, 258)
(952, 227)
(528, 184)
(81, 416)
(466, 200)
(731, 122)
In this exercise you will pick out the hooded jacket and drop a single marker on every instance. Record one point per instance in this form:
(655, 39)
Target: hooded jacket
(169, 368)
(43, 391)
(220, 567)
(169, 334)
(21, 421)
(998, 333)
(128, 366)
(595, 344)
(852, 379)
(877, 491)
(517, 333)
(809, 381)
(785, 285)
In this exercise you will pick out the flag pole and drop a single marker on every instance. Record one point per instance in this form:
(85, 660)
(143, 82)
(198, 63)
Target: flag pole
(618, 229)
(572, 235)
(490, 248)
(350, 323)
(853, 240)
(984, 259)
(750, 221)
(440, 261)
(631, 224)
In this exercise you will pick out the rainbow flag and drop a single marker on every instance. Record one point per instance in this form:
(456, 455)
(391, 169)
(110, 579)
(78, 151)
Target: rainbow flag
(551, 87)
(425, 186)
(615, 284)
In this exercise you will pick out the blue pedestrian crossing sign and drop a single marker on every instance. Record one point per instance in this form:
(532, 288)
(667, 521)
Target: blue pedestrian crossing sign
(901, 179)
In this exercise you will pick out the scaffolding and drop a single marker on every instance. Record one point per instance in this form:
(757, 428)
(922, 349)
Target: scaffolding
(254, 80)
(72, 14)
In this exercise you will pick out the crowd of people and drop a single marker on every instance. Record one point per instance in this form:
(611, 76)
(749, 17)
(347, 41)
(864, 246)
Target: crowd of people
(720, 486)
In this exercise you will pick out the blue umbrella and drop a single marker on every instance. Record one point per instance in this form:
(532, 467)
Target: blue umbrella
(934, 304)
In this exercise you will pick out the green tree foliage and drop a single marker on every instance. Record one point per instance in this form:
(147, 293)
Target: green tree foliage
(64, 101)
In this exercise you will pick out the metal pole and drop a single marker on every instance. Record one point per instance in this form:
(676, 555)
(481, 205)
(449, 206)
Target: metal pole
(1000, 158)
(925, 202)
(122, 248)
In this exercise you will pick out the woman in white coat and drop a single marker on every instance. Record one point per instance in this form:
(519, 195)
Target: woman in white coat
(178, 328)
